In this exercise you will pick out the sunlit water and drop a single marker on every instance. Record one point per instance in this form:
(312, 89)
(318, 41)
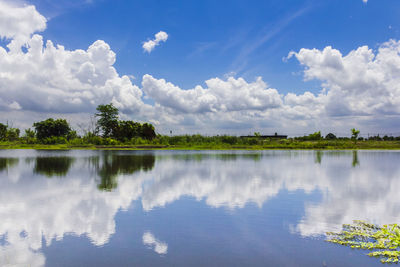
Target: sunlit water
(177, 208)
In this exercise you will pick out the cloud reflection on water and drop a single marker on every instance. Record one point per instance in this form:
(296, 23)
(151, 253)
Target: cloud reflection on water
(91, 189)
(155, 244)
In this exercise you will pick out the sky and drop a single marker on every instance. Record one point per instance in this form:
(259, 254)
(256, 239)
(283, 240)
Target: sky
(210, 67)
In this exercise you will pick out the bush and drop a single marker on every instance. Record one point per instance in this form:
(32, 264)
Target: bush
(91, 138)
(53, 140)
(109, 141)
(12, 134)
(29, 140)
(8, 134)
(229, 139)
(137, 141)
(3, 131)
(76, 141)
(52, 128)
(330, 136)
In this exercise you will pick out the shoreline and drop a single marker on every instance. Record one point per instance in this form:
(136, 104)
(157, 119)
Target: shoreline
(362, 145)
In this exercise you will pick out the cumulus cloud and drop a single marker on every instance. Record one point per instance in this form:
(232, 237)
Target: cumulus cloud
(158, 246)
(19, 23)
(151, 44)
(46, 79)
(49, 78)
(230, 95)
(359, 83)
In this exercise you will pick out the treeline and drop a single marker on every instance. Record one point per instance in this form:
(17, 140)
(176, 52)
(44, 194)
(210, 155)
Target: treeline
(354, 136)
(108, 130)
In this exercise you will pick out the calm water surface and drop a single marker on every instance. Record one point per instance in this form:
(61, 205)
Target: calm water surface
(175, 208)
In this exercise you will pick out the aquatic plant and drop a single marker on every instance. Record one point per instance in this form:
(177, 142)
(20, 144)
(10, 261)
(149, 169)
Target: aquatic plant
(383, 241)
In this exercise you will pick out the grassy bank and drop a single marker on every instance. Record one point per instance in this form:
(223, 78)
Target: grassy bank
(245, 145)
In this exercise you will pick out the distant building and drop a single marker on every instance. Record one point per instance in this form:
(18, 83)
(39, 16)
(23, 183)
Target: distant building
(275, 136)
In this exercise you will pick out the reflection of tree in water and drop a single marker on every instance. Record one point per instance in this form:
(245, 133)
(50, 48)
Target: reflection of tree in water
(5, 163)
(114, 165)
(53, 166)
(355, 162)
(222, 156)
(318, 157)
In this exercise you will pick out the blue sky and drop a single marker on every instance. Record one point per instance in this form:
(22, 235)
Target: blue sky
(213, 38)
(221, 39)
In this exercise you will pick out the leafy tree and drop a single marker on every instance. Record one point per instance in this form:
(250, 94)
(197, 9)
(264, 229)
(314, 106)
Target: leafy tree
(12, 134)
(8, 133)
(29, 133)
(51, 128)
(108, 119)
(147, 131)
(128, 130)
(72, 135)
(330, 136)
(354, 133)
(314, 136)
(3, 131)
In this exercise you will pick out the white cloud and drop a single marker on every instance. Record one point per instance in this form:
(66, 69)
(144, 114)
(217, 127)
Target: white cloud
(19, 23)
(360, 89)
(365, 1)
(158, 246)
(359, 83)
(41, 208)
(49, 78)
(257, 178)
(47, 209)
(214, 180)
(362, 83)
(151, 44)
(230, 95)
(20, 254)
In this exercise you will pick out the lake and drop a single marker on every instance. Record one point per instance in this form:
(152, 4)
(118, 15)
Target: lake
(191, 208)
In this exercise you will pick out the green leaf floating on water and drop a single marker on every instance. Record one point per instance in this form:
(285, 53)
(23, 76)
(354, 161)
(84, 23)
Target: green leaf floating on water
(383, 241)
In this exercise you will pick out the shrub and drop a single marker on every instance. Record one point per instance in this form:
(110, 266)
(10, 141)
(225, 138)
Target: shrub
(330, 136)
(52, 128)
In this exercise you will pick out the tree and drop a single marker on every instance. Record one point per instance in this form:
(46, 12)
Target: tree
(108, 119)
(51, 127)
(13, 134)
(128, 130)
(29, 133)
(354, 133)
(314, 136)
(8, 133)
(330, 136)
(3, 131)
(147, 131)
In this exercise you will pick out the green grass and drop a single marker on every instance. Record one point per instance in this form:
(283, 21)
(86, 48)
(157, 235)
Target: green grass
(289, 144)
